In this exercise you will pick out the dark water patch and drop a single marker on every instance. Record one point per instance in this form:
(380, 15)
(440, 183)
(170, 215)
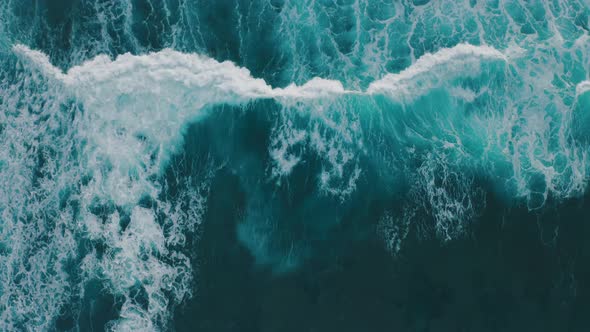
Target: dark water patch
(98, 307)
(506, 274)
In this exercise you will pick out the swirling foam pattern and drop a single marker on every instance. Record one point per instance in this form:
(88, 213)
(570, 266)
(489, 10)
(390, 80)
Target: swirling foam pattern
(415, 101)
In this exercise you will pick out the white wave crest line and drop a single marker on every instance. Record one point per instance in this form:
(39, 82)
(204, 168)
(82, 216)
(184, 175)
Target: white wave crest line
(459, 60)
(225, 79)
(582, 87)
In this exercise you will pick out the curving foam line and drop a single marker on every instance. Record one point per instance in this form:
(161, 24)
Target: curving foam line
(462, 59)
(225, 79)
(582, 87)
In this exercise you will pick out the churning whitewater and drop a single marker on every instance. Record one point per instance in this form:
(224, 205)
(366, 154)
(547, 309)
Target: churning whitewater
(128, 127)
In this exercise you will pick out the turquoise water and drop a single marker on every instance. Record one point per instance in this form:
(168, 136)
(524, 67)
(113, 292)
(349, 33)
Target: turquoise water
(293, 165)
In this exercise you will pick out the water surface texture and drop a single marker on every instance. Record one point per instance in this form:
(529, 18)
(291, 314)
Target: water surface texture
(294, 165)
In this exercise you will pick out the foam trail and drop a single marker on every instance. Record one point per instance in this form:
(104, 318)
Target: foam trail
(461, 60)
(223, 79)
(582, 87)
(226, 80)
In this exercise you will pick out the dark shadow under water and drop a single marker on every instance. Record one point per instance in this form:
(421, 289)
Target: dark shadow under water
(512, 274)
(513, 270)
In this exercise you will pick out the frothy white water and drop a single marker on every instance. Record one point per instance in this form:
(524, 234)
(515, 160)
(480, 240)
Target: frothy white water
(582, 87)
(227, 82)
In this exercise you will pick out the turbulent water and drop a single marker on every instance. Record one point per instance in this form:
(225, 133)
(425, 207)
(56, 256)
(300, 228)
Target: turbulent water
(163, 163)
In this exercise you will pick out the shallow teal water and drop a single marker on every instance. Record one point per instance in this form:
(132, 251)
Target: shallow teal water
(294, 165)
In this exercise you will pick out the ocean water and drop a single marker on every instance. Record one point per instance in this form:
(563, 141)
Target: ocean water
(294, 165)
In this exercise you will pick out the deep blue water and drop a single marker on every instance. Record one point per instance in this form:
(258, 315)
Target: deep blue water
(294, 165)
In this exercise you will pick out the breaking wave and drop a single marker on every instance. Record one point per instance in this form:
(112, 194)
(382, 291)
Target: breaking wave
(99, 194)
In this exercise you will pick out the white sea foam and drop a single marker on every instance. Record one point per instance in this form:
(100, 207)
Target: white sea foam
(433, 70)
(582, 87)
(227, 82)
(37, 235)
(224, 81)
